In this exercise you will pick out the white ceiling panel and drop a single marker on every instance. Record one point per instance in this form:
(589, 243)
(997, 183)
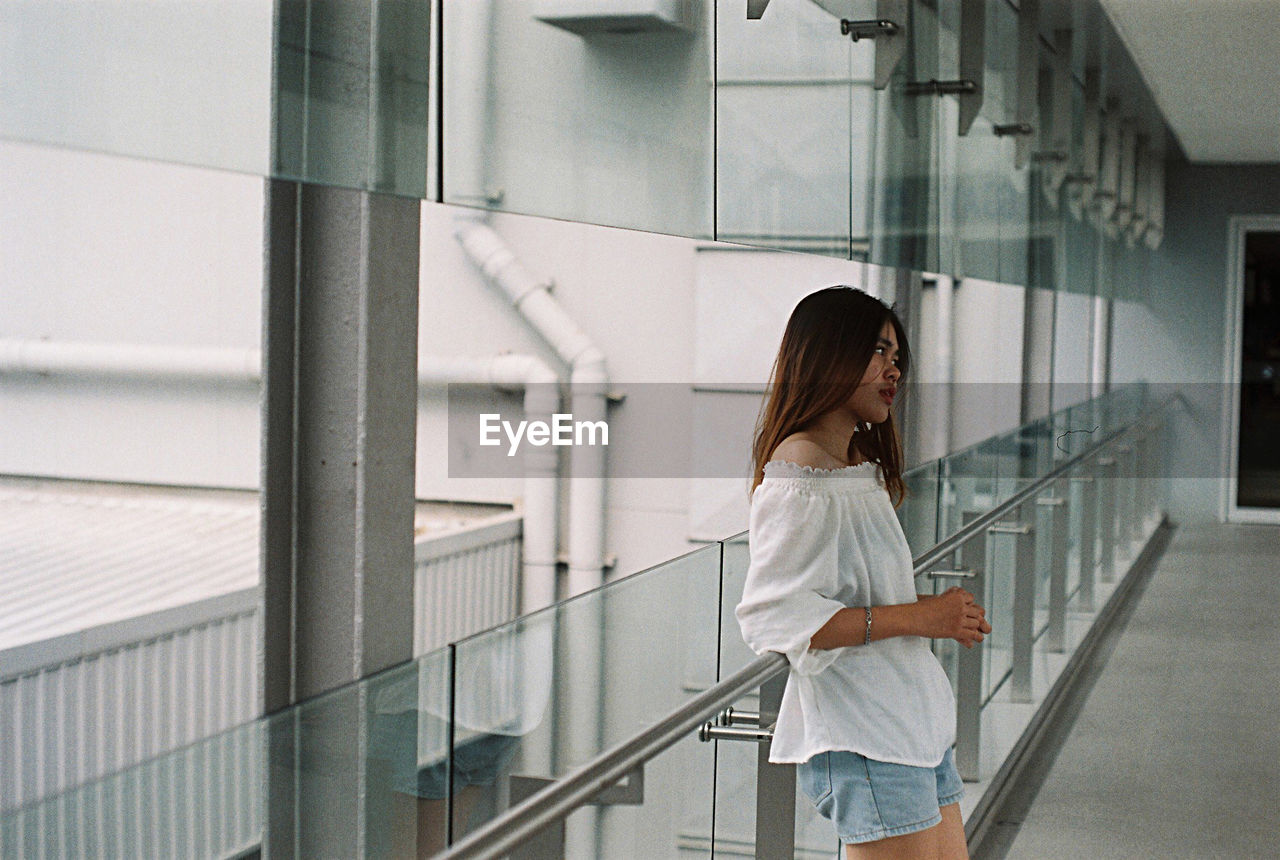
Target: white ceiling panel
(1213, 68)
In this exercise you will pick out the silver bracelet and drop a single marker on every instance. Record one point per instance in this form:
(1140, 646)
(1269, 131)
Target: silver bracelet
(868, 639)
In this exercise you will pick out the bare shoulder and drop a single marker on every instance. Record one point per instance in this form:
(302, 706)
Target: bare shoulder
(803, 451)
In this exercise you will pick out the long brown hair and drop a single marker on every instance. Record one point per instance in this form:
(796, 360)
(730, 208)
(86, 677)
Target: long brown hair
(825, 351)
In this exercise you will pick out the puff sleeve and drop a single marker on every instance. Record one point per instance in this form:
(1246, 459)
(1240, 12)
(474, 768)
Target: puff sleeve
(793, 577)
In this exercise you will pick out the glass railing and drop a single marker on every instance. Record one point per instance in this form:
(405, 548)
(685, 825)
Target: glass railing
(757, 811)
(415, 758)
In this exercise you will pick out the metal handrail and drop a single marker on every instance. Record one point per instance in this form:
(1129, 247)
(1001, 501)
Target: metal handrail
(930, 557)
(553, 803)
(575, 788)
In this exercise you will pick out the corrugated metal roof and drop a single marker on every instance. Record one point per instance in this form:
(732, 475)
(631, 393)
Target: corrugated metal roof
(76, 555)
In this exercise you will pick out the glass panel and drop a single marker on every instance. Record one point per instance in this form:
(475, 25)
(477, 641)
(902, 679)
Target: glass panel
(353, 96)
(905, 217)
(188, 82)
(919, 513)
(734, 653)
(736, 761)
(192, 83)
(968, 486)
(202, 801)
(735, 777)
(991, 193)
(997, 648)
(408, 746)
(788, 87)
(583, 116)
(355, 772)
(545, 694)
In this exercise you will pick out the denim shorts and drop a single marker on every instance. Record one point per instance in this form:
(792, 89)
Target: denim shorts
(869, 800)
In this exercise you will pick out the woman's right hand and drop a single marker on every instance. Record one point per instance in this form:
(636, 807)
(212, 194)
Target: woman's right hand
(953, 615)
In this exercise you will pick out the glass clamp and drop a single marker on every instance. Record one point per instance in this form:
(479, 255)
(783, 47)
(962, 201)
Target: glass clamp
(1009, 529)
(728, 726)
(940, 88)
(867, 29)
(1013, 128)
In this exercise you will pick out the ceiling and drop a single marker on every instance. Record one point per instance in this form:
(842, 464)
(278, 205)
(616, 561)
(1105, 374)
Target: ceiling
(1214, 70)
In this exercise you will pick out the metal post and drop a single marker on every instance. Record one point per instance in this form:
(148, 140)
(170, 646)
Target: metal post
(1139, 527)
(1127, 522)
(1024, 602)
(973, 558)
(1145, 483)
(1107, 518)
(1087, 538)
(1053, 514)
(775, 786)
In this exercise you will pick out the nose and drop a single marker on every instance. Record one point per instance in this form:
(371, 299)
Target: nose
(892, 373)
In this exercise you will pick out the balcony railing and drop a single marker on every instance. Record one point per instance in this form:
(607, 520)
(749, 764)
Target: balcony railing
(573, 731)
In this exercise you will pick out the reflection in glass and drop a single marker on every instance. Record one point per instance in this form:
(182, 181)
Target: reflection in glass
(183, 81)
(192, 83)
(793, 109)
(991, 198)
(583, 118)
(541, 696)
(904, 229)
(351, 106)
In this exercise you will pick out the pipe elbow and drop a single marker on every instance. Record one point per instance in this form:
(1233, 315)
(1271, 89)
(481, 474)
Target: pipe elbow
(485, 248)
(590, 366)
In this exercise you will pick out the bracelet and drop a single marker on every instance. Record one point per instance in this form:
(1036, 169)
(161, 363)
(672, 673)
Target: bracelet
(868, 639)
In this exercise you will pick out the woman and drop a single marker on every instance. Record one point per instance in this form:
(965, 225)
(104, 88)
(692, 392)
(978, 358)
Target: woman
(868, 714)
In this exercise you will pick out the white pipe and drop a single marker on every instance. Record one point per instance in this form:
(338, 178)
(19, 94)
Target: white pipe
(582, 631)
(131, 361)
(468, 91)
(243, 367)
(589, 377)
(1098, 375)
(943, 348)
(541, 479)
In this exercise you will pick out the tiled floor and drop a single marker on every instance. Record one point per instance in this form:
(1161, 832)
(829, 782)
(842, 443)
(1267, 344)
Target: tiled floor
(1176, 751)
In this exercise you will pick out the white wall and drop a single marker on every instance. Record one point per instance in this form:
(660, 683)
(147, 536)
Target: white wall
(562, 128)
(104, 249)
(986, 360)
(1177, 337)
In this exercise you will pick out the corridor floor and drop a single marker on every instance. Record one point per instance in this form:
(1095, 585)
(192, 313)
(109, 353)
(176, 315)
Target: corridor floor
(1176, 751)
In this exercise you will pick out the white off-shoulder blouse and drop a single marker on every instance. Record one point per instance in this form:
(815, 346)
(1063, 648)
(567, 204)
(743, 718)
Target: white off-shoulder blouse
(821, 540)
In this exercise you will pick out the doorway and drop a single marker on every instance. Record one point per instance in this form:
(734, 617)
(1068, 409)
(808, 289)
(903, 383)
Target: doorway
(1254, 467)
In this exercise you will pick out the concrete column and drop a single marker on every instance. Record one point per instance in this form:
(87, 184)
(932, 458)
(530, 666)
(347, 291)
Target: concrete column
(340, 323)
(340, 399)
(340, 317)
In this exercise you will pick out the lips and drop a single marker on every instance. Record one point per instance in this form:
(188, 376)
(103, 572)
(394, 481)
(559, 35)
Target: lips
(886, 394)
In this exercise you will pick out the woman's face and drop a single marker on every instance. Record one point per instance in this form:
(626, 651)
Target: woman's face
(874, 395)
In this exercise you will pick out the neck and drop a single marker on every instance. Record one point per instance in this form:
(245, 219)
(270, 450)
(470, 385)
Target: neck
(833, 432)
